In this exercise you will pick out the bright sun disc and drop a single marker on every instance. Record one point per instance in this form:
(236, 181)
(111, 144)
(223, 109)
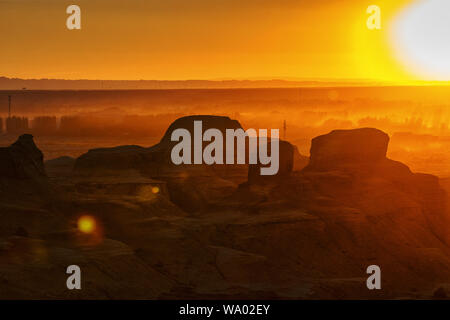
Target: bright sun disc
(421, 36)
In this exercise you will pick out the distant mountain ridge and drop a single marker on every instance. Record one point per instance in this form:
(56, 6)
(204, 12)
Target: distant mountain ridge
(83, 84)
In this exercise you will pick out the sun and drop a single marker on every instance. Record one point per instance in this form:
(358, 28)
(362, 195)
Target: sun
(373, 54)
(420, 37)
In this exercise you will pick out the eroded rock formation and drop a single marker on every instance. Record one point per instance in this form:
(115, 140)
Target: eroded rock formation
(192, 187)
(22, 160)
(341, 148)
(306, 234)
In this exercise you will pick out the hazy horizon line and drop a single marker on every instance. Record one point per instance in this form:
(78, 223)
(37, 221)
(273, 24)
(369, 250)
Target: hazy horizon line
(7, 83)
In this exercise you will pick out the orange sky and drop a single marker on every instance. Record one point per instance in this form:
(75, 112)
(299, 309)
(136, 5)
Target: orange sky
(198, 39)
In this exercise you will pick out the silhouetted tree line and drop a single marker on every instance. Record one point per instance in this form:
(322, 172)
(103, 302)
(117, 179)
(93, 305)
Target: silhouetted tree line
(16, 125)
(128, 125)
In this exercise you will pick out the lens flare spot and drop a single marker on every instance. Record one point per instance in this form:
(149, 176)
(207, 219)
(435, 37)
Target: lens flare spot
(87, 224)
(155, 189)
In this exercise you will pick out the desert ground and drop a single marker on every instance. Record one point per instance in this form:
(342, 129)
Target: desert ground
(364, 180)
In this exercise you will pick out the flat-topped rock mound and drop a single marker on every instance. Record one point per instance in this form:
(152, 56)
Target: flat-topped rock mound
(208, 122)
(347, 147)
(97, 161)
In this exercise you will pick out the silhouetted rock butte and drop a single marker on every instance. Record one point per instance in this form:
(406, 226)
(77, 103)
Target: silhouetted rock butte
(26, 196)
(99, 161)
(343, 147)
(22, 160)
(208, 122)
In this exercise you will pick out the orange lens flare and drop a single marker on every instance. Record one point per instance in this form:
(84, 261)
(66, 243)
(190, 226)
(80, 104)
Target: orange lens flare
(87, 224)
(155, 190)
